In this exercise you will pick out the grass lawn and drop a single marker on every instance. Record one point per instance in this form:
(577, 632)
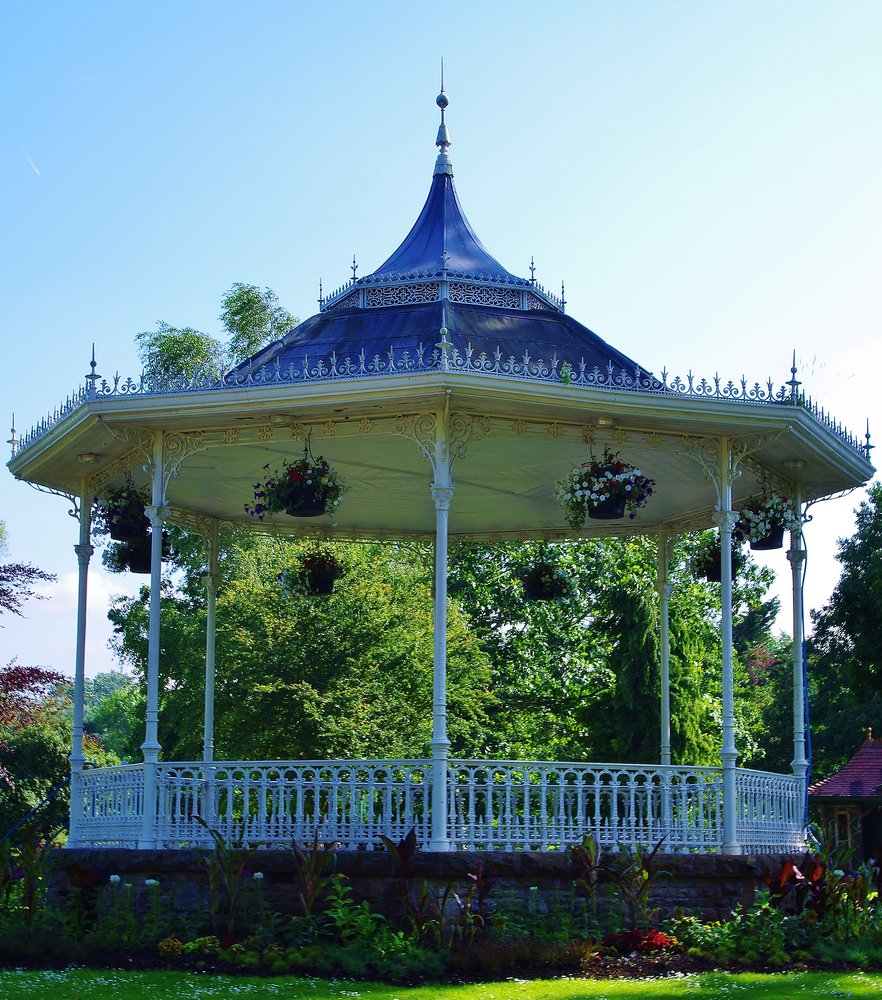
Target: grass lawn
(89, 984)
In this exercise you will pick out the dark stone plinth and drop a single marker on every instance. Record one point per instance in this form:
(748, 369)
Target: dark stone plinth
(708, 884)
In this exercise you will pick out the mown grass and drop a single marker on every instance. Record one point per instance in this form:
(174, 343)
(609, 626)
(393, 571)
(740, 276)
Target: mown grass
(89, 984)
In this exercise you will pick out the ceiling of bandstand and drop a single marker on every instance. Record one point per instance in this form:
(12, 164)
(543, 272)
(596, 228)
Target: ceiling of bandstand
(510, 441)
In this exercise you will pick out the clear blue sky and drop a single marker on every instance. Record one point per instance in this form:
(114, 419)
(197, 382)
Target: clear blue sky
(704, 176)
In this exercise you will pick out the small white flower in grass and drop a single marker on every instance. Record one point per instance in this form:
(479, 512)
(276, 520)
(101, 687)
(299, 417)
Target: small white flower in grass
(114, 879)
(151, 881)
(257, 876)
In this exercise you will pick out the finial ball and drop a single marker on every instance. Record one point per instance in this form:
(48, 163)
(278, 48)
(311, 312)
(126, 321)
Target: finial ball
(442, 100)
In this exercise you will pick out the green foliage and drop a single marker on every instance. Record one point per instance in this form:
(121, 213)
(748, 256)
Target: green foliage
(252, 318)
(34, 754)
(169, 353)
(845, 651)
(347, 676)
(225, 866)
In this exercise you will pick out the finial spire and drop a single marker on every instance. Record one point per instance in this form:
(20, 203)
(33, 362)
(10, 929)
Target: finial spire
(443, 164)
(93, 376)
(794, 382)
(14, 441)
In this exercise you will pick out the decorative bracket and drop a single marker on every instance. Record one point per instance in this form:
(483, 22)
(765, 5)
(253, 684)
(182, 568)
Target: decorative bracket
(463, 430)
(706, 451)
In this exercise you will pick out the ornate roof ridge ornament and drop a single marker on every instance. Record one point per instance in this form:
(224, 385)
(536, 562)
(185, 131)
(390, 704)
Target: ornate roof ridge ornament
(443, 164)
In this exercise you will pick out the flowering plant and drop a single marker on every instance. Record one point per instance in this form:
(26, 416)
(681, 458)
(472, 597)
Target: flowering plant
(707, 558)
(759, 517)
(544, 581)
(306, 487)
(316, 575)
(120, 514)
(600, 480)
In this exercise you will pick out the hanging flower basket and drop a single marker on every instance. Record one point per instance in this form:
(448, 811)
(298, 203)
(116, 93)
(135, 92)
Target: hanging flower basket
(135, 555)
(121, 515)
(708, 559)
(603, 488)
(308, 487)
(763, 522)
(316, 575)
(543, 581)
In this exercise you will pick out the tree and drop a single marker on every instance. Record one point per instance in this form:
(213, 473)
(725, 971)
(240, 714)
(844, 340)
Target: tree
(169, 353)
(16, 585)
(301, 677)
(845, 651)
(252, 318)
(114, 713)
(36, 742)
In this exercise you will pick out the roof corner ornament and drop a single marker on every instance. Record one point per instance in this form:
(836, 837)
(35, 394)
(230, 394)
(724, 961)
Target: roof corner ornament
(321, 298)
(563, 298)
(794, 382)
(92, 377)
(444, 345)
(14, 441)
(532, 271)
(354, 268)
(443, 164)
(868, 447)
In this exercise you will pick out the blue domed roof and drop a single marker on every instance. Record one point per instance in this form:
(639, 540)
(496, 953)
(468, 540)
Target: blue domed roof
(440, 283)
(442, 237)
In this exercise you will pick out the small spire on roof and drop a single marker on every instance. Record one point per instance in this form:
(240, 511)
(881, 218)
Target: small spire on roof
(354, 267)
(93, 376)
(14, 441)
(443, 164)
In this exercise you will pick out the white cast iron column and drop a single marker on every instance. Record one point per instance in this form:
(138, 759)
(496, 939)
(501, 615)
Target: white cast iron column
(84, 551)
(211, 582)
(663, 588)
(157, 512)
(796, 556)
(726, 520)
(442, 495)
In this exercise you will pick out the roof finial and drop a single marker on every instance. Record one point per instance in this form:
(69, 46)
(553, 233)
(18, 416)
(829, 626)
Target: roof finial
(321, 298)
(794, 382)
(93, 376)
(443, 164)
(532, 270)
(868, 447)
(14, 441)
(354, 267)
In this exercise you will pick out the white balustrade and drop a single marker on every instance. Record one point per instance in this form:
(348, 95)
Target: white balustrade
(492, 805)
(770, 812)
(512, 805)
(113, 803)
(352, 803)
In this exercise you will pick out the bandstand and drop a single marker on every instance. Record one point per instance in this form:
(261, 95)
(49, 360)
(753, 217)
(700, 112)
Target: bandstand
(452, 396)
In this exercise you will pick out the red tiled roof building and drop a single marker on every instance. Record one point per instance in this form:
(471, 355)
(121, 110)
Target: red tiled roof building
(849, 803)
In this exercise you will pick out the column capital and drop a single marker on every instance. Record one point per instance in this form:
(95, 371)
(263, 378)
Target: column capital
(725, 520)
(796, 557)
(442, 495)
(158, 514)
(211, 580)
(84, 553)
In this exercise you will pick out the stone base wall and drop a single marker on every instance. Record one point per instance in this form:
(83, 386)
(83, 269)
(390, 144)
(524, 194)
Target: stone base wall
(707, 884)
